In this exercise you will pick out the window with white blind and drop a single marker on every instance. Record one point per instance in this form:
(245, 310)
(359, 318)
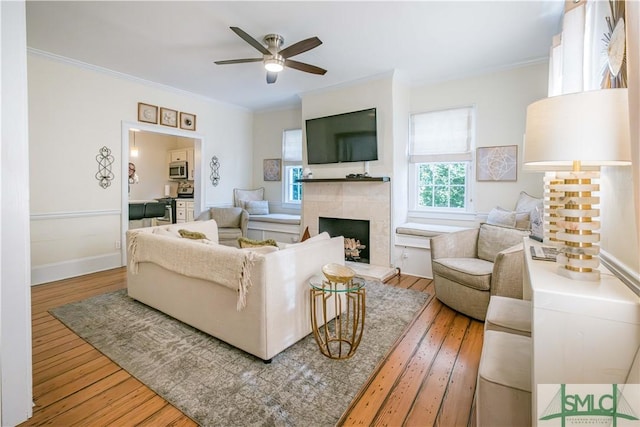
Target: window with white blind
(441, 159)
(292, 166)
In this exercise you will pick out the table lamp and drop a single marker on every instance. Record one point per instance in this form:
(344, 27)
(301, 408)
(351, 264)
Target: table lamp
(568, 134)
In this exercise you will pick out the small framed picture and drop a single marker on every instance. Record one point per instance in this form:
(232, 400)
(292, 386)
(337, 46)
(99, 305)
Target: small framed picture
(147, 113)
(498, 163)
(168, 117)
(187, 121)
(271, 169)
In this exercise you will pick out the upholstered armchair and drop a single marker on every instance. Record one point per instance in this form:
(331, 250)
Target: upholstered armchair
(471, 265)
(232, 223)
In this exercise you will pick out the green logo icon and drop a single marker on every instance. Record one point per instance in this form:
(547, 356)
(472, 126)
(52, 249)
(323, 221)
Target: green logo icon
(584, 406)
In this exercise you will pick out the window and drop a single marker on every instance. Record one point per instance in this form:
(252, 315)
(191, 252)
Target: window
(440, 160)
(292, 166)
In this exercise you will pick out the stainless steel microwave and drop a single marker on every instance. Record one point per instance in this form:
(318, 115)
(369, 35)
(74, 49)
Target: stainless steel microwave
(178, 170)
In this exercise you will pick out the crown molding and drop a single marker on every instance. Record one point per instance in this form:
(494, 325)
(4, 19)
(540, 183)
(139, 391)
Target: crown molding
(124, 76)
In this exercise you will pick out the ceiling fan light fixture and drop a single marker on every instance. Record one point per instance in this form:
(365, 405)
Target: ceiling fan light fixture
(274, 65)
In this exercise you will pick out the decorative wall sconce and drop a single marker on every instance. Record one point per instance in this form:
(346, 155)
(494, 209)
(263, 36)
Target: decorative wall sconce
(105, 161)
(215, 171)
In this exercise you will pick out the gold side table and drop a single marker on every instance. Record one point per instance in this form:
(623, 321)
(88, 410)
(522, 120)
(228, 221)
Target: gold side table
(337, 292)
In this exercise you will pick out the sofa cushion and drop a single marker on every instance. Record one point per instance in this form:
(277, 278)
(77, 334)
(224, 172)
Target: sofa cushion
(471, 272)
(240, 195)
(257, 207)
(261, 250)
(507, 218)
(227, 217)
(322, 236)
(166, 231)
(493, 239)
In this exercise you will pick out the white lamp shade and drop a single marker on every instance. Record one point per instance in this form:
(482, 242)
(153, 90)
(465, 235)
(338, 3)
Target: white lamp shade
(591, 127)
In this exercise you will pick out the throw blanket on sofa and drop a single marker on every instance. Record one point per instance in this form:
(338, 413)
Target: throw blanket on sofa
(224, 265)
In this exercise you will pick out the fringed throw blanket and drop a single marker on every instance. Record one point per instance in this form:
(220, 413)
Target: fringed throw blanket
(220, 264)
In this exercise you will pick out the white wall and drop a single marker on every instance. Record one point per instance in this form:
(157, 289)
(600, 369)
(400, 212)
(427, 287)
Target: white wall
(267, 144)
(15, 296)
(376, 93)
(501, 99)
(74, 111)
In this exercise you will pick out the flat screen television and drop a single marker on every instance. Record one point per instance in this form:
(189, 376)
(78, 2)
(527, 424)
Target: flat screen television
(348, 137)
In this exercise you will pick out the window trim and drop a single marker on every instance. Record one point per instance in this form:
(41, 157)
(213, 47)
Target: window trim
(285, 199)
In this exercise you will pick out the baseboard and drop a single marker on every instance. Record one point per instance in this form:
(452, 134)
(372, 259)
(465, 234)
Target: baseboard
(63, 270)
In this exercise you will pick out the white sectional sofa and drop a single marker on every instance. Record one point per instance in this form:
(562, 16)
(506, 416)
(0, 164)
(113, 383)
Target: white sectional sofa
(195, 282)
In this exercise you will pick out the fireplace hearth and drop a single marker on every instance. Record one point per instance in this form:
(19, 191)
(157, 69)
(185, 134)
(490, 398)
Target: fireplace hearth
(355, 233)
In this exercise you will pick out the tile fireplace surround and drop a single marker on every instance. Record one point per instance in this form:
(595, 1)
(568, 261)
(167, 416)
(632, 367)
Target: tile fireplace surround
(365, 200)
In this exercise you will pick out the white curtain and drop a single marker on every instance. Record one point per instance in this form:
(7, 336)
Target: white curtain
(633, 70)
(441, 133)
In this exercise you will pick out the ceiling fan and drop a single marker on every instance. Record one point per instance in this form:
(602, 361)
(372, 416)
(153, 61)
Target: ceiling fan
(275, 58)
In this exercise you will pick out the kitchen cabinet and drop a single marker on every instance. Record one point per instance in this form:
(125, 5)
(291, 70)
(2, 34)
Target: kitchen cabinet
(184, 211)
(179, 155)
(191, 166)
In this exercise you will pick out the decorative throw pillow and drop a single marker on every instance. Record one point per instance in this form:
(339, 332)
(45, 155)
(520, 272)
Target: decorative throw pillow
(250, 243)
(523, 220)
(499, 216)
(240, 196)
(527, 203)
(195, 235)
(257, 207)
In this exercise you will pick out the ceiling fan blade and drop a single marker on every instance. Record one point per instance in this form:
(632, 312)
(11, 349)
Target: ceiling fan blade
(253, 42)
(307, 68)
(238, 61)
(271, 77)
(301, 46)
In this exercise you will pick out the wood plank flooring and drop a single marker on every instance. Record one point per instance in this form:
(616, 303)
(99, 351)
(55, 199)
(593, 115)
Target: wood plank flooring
(427, 379)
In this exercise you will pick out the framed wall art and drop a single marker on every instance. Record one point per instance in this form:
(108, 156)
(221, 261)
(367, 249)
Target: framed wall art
(147, 113)
(497, 163)
(187, 121)
(168, 117)
(271, 169)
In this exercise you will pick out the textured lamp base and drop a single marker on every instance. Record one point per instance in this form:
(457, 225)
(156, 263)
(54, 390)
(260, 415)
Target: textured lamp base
(577, 227)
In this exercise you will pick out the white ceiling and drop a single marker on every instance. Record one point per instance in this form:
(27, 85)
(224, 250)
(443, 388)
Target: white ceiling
(175, 42)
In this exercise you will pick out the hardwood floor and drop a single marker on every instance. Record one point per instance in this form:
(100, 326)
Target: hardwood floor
(428, 378)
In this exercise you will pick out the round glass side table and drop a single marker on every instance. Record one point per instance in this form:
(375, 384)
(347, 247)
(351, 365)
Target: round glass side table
(337, 337)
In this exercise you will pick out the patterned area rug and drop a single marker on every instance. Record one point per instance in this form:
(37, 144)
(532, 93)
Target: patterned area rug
(216, 384)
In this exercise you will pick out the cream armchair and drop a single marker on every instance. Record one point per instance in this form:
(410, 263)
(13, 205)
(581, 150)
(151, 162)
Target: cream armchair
(232, 223)
(471, 265)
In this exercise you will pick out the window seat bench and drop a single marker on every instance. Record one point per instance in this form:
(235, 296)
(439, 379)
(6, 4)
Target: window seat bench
(412, 251)
(278, 226)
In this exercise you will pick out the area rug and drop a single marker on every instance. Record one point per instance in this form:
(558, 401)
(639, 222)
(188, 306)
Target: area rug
(218, 385)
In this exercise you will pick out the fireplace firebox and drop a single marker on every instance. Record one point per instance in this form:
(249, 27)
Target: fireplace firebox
(355, 233)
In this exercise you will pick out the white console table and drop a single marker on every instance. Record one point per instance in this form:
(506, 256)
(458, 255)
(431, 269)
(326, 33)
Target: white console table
(582, 332)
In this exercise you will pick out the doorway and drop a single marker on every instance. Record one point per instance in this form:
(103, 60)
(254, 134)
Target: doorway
(128, 143)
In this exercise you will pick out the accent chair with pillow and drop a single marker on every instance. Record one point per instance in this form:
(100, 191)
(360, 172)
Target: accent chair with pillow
(470, 266)
(232, 223)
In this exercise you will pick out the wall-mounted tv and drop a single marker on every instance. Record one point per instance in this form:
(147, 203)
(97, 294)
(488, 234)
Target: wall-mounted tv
(348, 137)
